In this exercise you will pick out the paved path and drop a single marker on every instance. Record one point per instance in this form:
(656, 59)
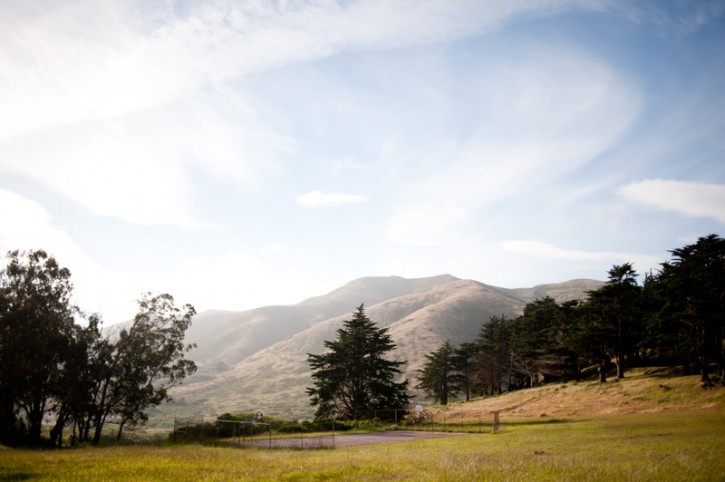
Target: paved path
(354, 440)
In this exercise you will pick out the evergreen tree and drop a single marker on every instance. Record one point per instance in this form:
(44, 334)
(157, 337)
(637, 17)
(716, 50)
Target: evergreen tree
(439, 377)
(494, 356)
(353, 377)
(464, 364)
(692, 288)
(616, 307)
(534, 338)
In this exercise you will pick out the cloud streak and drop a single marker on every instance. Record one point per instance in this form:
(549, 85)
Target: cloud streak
(690, 198)
(537, 249)
(104, 60)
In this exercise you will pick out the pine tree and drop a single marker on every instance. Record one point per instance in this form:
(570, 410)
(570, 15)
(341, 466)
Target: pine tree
(353, 378)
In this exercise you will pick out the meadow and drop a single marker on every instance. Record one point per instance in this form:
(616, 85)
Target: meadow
(666, 445)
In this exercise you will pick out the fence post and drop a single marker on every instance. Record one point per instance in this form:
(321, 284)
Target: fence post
(495, 421)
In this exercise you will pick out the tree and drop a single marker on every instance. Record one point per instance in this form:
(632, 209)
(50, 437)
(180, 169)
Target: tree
(692, 289)
(493, 362)
(147, 360)
(36, 324)
(616, 306)
(438, 376)
(354, 376)
(73, 401)
(464, 364)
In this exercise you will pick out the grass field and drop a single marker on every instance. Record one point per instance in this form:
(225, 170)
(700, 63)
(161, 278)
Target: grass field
(673, 445)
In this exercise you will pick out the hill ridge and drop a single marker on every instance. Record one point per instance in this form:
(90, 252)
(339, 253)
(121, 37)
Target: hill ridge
(258, 359)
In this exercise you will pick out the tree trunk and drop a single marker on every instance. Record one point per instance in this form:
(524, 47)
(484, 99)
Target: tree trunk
(35, 421)
(602, 371)
(620, 366)
(7, 419)
(704, 370)
(56, 433)
(120, 430)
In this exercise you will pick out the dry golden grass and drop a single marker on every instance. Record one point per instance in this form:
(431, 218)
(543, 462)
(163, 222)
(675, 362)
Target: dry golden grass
(643, 390)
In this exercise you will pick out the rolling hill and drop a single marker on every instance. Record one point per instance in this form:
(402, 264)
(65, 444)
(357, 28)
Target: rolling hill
(257, 360)
(642, 390)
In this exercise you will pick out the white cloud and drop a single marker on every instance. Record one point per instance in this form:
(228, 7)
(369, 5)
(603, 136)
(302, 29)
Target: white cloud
(139, 168)
(76, 77)
(318, 199)
(27, 225)
(685, 197)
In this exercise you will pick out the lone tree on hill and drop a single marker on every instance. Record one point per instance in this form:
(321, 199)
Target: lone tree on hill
(353, 378)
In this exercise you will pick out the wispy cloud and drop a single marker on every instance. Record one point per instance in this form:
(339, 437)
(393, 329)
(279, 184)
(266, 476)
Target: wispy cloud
(546, 250)
(537, 249)
(529, 134)
(105, 64)
(318, 199)
(107, 59)
(685, 197)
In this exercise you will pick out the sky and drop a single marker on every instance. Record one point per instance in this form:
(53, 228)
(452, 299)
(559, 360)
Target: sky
(251, 153)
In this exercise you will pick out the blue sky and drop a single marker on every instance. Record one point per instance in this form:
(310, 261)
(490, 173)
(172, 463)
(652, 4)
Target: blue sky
(239, 154)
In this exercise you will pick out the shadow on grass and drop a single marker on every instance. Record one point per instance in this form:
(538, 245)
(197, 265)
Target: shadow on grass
(524, 423)
(17, 476)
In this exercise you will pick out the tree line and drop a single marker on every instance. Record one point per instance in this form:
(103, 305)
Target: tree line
(57, 366)
(674, 317)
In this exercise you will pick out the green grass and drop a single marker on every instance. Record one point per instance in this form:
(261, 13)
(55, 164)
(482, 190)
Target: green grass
(638, 447)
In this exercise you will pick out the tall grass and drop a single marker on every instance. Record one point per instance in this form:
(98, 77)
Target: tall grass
(637, 447)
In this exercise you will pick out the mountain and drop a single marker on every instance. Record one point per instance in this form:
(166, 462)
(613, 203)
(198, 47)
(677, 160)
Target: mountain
(224, 338)
(257, 360)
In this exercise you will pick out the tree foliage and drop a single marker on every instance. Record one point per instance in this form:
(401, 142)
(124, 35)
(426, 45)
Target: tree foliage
(353, 378)
(439, 378)
(677, 316)
(49, 364)
(36, 323)
(692, 290)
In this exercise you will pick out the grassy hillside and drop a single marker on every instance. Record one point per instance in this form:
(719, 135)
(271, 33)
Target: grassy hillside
(643, 390)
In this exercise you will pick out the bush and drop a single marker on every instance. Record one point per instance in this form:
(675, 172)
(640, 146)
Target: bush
(292, 428)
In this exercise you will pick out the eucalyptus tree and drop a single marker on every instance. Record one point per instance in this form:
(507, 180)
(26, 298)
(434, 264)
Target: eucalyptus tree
(146, 359)
(36, 323)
